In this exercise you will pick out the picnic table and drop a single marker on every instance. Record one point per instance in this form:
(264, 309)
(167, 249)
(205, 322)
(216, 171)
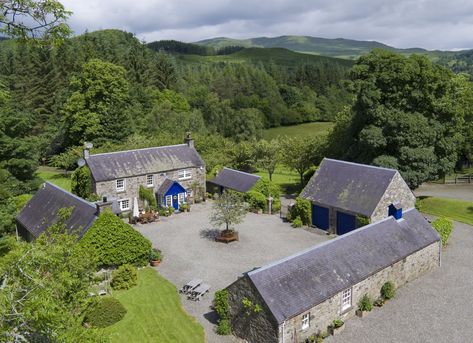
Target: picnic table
(194, 283)
(198, 292)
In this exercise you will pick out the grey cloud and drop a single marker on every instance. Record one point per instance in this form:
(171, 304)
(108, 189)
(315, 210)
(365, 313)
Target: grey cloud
(432, 24)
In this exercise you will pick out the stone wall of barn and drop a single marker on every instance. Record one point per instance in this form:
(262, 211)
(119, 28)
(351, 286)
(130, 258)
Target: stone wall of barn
(397, 191)
(132, 184)
(254, 327)
(259, 328)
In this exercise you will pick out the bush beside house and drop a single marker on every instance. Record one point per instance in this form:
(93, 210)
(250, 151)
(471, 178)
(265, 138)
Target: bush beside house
(124, 277)
(301, 211)
(114, 243)
(444, 227)
(257, 197)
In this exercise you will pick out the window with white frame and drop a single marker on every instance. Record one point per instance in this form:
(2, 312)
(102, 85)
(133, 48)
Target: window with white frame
(346, 299)
(184, 174)
(168, 200)
(149, 180)
(124, 204)
(181, 197)
(120, 185)
(305, 321)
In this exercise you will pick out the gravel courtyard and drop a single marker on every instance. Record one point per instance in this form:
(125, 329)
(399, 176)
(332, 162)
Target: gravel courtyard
(190, 251)
(434, 308)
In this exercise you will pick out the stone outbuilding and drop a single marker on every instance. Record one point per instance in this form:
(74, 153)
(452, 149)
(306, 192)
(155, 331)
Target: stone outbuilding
(346, 195)
(117, 176)
(236, 180)
(299, 296)
(43, 209)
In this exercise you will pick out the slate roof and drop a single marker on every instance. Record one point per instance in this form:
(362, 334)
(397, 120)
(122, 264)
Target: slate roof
(165, 185)
(235, 179)
(115, 165)
(41, 211)
(299, 282)
(349, 186)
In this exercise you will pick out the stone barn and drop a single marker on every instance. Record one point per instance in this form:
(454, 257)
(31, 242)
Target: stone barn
(236, 180)
(347, 195)
(299, 296)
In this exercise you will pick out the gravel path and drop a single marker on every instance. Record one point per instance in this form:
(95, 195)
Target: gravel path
(461, 191)
(436, 307)
(189, 250)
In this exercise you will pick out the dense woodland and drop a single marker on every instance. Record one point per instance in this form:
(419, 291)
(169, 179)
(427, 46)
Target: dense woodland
(109, 88)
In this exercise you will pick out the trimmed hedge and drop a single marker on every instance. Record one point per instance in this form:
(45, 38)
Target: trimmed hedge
(222, 307)
(444, 227)
(114, 243)
(124, 277)
(107, 311)
(256, 200)
(258, 196)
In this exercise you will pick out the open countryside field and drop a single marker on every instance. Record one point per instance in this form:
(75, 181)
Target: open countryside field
(458, 210)
(55, 176)
(154, 314)
(307, 129)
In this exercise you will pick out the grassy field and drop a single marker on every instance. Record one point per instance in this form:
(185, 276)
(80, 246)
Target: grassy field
(458, 210)
(308, 129)
(285, 178)
(155, 314)
(55, 176)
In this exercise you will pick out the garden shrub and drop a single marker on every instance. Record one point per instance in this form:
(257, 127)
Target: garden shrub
(388, 290)
(256, 200)
(267, 188)
(221, 304)
(444, 227)
(337, 323)
(297, 222)
(146, 194)
(114, 243)
(124, 277)
(81, 182)
(362, 221)
(224, 327)
(107, 311)
(365, 303)
(302, 209)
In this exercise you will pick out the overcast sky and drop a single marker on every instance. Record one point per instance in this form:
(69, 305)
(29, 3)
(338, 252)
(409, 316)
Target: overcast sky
(431, 24)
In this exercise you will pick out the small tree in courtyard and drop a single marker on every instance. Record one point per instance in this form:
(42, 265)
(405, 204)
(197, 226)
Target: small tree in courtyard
(228, 210)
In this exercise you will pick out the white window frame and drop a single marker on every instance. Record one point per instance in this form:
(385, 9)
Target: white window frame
(121, 201)
(184, 174)
(149, 177)
(122, 188)
(181, 198)
(305, 321)
(168, 203)
(346, 299)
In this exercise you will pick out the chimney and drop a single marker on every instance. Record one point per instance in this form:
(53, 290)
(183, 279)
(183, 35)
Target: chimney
(86, 153)
(87, 147)
(188, 140)
(395, 210)
(102, 205)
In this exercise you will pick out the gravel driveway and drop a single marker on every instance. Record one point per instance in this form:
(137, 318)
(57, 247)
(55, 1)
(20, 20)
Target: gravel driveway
(190, 251)
(459, 191)
(436, 307)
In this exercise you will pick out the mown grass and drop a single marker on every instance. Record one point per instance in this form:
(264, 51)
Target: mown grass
(458, 210)
(154, 314)
(308, 129)
(285, 178)
(55, 176)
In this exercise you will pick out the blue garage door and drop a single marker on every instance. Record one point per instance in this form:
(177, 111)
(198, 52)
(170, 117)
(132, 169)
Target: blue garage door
(320, 217)
(345, 223)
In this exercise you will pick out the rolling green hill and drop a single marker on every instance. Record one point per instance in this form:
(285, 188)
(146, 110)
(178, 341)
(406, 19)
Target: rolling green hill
(339, 47)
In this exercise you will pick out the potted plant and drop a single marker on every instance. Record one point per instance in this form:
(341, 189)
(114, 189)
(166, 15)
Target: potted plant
(336, 327)
(155, 257)
(379, 302)
(183, 208)
(365, 305)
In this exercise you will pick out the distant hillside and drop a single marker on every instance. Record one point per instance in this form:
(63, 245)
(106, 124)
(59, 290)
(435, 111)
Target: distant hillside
(340, 47)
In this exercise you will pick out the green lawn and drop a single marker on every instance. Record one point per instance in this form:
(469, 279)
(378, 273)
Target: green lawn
(285, 178)
(458, 210)
(55, 176)
(308, 129)
(155, 314)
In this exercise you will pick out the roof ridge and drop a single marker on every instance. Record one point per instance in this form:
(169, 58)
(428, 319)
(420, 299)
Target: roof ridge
(359, 164)
(317, 246)
(242, 172)
(140, 149)
(69, 193)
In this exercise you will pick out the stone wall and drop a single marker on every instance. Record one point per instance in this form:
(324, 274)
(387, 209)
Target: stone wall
(132, 184)
(255, 327)
(397, 191)
(323, 314)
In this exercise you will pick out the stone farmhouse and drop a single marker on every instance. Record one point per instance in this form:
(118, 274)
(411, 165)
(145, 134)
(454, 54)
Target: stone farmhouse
(347, 195)
(42, 211)
(236, 180)
(173, 173)
(301, 295)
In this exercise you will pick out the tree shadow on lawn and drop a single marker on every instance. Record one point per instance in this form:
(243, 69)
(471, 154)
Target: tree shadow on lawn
(210, 234)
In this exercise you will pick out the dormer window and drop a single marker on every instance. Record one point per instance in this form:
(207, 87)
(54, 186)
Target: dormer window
(120, 185)
(184, 174)
(149, 180)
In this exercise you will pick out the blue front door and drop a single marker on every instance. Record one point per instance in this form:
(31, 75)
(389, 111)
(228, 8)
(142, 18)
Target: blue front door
(320, 217)
(345, 223)
(178, 195)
